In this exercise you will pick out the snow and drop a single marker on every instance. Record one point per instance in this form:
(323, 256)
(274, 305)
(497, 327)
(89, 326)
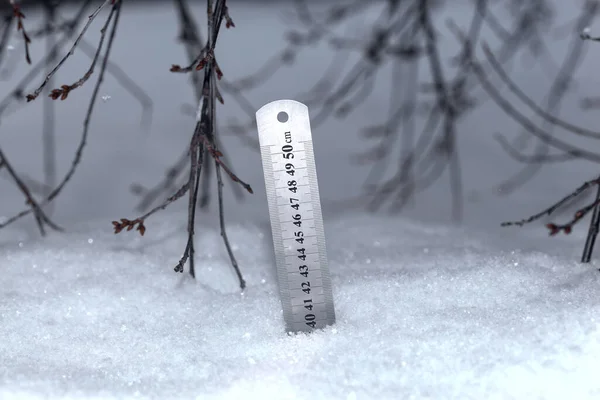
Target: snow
(422, 312)
(424, 309)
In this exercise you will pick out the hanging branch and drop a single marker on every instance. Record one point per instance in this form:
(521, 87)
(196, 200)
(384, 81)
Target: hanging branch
(590, 240)
(49, 127)
(203, 146)
(65, 89)
(402, 39)
(5, 34)
(554, 229)
(115, 12)
(594, 228)
(21, 27)
(40, 217)
(568, 152)
(203, 142)
(192, 41)
(24, 183)
(67, 28)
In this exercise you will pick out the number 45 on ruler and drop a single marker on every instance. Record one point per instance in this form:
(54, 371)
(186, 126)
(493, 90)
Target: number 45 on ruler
(286, 150)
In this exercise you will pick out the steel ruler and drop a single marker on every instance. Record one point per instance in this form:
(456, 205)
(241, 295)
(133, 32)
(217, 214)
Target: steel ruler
(286, 148)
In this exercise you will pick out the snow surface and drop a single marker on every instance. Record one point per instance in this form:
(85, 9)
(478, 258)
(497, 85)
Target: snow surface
(423, 312)
(425, 309)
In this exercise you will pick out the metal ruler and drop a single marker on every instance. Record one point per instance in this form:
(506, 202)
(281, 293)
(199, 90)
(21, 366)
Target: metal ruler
(286, 149)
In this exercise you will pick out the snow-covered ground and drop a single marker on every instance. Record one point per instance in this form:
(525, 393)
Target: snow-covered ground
(425, 309)
(423, 312)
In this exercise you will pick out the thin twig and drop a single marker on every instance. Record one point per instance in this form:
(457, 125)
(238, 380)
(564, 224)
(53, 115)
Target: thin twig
(49, 128)
(590, 240)
(555, 206)
(17, 92)
(5, 35)
(21, 27)
(139, 221)
(232, 258)
(91, 18)
(40, 217)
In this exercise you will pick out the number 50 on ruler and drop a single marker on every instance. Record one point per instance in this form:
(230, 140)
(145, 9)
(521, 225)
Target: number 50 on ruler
(286, 149)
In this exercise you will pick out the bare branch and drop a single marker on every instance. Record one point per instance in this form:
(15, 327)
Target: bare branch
(91, 18)
(21, 27)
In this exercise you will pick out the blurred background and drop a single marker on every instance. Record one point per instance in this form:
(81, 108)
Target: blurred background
(412, 117)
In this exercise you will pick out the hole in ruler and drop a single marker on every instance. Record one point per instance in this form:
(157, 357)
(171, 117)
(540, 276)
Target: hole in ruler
(282, 116)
